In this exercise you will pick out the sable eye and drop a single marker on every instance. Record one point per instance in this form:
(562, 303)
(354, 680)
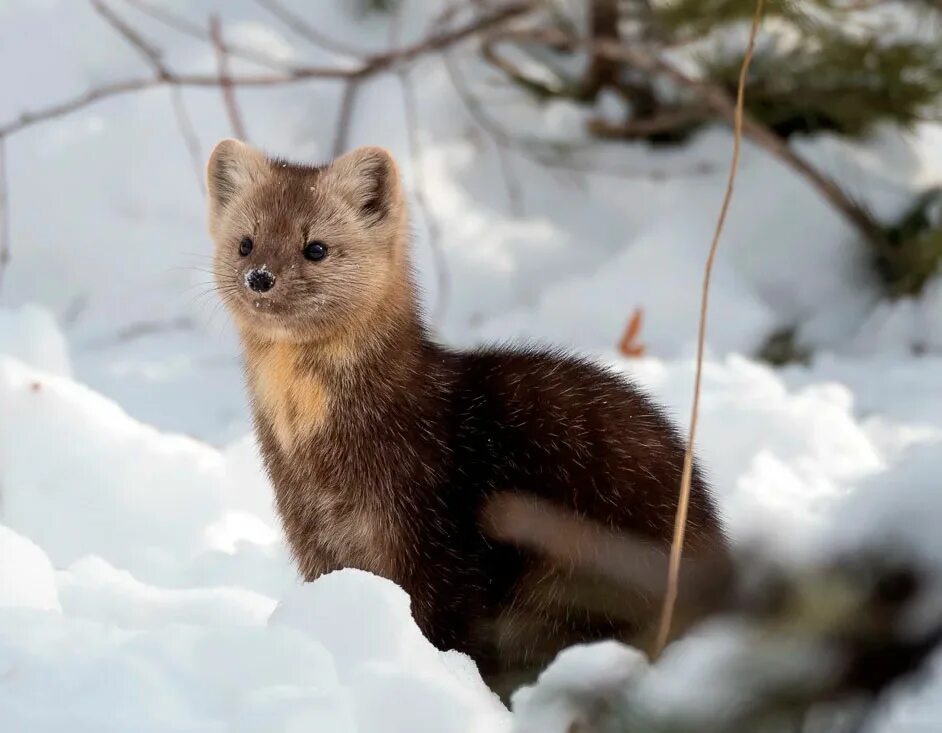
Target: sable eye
(245, 246)
(315, 251)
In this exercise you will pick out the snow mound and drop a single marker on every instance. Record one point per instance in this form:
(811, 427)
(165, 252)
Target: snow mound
(27, 579)
(144, 584)
(174, 601)
(175, 605)
(30, 334)
(365, 623)
(104, 471)
(579, 310)
(580, 680)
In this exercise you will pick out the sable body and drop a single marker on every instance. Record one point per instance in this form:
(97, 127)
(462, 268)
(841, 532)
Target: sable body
(386, 450)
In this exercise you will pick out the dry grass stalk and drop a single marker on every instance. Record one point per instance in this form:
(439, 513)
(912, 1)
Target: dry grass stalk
(680, 523)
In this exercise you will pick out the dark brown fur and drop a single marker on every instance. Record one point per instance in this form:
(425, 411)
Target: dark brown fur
(387, 452)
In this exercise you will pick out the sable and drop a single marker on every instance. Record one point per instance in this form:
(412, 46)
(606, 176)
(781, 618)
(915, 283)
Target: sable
(391, 453)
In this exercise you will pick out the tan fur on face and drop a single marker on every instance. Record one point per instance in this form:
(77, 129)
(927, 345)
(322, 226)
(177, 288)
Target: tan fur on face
(355, 205)
(328, 312)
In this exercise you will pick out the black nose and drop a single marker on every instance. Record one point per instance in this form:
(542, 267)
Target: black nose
(260, 279)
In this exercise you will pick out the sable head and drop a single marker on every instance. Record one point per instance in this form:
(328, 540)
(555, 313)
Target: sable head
(305, 253)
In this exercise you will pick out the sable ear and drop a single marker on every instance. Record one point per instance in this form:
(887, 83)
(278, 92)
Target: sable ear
(232, 166)
(369, 179)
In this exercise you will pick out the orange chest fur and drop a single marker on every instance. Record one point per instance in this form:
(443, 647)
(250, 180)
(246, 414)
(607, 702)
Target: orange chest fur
(294, 401)
(295, 404)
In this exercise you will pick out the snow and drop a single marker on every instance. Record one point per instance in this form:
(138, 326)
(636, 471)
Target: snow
(144, 582)
(30, 334)
(582, 678)
(27, 578)
(174, 591)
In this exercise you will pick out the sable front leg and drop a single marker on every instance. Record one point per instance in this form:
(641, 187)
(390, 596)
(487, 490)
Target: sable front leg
(312, 555)
(314, 561)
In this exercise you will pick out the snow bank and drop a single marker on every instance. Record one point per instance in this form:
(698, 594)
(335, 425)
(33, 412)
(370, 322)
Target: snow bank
(562, 255)
(30, 334)
(144, 582)
(27, 579)
(670, 306)
(174, 605)
(581, 679)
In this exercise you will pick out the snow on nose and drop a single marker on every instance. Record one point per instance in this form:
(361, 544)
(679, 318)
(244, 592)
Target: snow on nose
(260, 279)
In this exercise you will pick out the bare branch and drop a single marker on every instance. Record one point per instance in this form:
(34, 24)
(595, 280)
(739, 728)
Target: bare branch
(587, 168)
(604, 19)
(680, 524)
(4, 212)
(188, 133)
(717, 99)
(141, 329)
(225, 81)
(60, 109)
(444, 39)
(499, 137)
(178, 23)
(150, 54)
(373, 65)
(541, 153)
(189, 28)
(344, 114)
(304, 29)
(512, 71)
(669, 119)
(418, 178)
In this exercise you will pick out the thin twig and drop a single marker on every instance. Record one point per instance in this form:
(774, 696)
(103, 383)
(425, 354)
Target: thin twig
(188, 133)
(192, 29)
(151, 54)
(499, 137)
(344, 115)
(669, 119)
(374, 65)
(141, 329)
(545, 153)
(225, 80)
(60, 109)
(680, 524)
(418, 179)
(540, 87)
(555, 161)
(4, 212)
(304, 29)
(444, 39)
(718, 100)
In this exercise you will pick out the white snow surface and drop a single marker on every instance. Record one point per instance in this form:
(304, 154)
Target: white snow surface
(144, 581)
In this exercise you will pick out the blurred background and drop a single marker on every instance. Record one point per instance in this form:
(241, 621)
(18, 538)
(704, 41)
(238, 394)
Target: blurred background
(565, 161)
(556, 193)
